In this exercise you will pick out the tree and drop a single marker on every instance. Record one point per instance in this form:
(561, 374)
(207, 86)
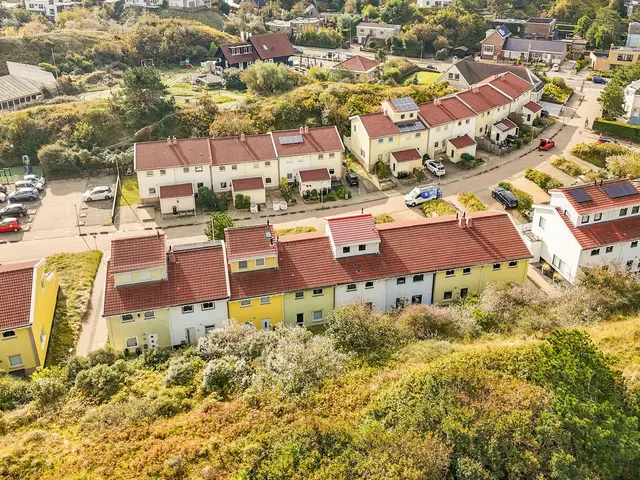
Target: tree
(220, 221)
(269, 78)
(58, 160)
(381, 55)
(582, 26)
(625, 164)
(606, 29)
(83, 135)
(229, 123)
(246, 19)
(196, 122)
(612, 99)
(397, 11)
(370, 12)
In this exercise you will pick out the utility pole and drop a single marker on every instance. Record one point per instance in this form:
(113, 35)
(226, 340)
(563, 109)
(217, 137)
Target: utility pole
(55, 71)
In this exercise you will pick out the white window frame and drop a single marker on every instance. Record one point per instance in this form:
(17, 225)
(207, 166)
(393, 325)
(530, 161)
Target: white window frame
(185, 309)
(317, 292)
(318, 319)
(9, 334)
(259, 262)
(352, 287)
(298, 295)
(126, 342)
(17, 365)
(444, 296)
(450, 273)
(149, 315)
(265, 300)
(245, 303)
(127, 320)
(241, 263)
(212, 307)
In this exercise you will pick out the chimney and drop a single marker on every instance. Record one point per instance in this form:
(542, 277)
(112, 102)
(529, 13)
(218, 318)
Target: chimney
(168, 140)
(457, 215)
(174, 141)
(385, 113)
(267, 222)
(469, 222)
(301, 130)
(242, 137)
(474, 88)
(306, 129)
(461, 222)
(437, 101)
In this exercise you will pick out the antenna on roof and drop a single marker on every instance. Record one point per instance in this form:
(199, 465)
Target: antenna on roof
(362, 211)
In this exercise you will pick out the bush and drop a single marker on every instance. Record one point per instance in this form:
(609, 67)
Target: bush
(424, 322)
(236, 340)
(557, 91)
(225, 375)
(48, 385)
(471, 202)
(242, 202)
(181, 371)
(104, 356)
(597, 153)
(437, 208)
(381, 169)
(442, 54)
(155, 357)
(468, 162)
(567, 166)
(383, 218)
(516, 118)
(419, 174)
(622, 165)
(525, 201)
(617, 129)
(285, 189)
(543, 180)
(341, 192)
(293, 230)
(13, 392)
(102, 381)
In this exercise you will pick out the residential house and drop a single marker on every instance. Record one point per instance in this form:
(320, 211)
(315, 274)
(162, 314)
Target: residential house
(269, 47)
(599, 61)
(518, 90)
(620, 56)
(489, 103)
(28, 294)
(161, 298)
(503, 129)
(363, 68)
(632, 102)
(587, 225)
(150, 4)
(405, 161)
(189, 5)
(49, 8)
(633, 35)
(547, 51)
(530, 111)
(295, 26)
(252, 187)
(367, 31)
(317, 179)
(434, 3)
(540, 28)
(177, 199)
(493, 43)
(25, 84)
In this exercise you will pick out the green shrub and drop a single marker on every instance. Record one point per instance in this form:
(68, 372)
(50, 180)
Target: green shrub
(341, 192)
(236, 340)
(383, 218)
(525, 201)
(285, 189)
(381, 169)
(424, 322)
(331, 196)
(13, 392)
(242, 201)
(154, 357)
(181, 371)
(104, 356)
(102, 381)
(581, 64)
(225, 375)
(543, 180)
(419, 174)
(557, 91)
(597, 153)
(466, 156)
(48, 385)
(437, 208)
(471, 202)
(617, 129)
(567, 166)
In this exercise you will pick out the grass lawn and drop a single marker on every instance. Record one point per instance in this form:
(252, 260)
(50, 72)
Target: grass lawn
(129, 191)
(18, 172)
(76, 271)
(424, 78)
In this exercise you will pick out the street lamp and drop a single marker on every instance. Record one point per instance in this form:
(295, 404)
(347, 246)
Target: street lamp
(421, 48)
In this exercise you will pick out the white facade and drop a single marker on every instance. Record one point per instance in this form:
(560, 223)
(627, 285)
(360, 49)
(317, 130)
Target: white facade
(434, 3)
(188, 326)
(189, 4)
(381, 31)
(144, 3)
(632, 99)
(417, 288)
(224, 174)
(438, 136)
(150, 181)
(372, 292)
(49, 8)
(181, 204)
(291, 165)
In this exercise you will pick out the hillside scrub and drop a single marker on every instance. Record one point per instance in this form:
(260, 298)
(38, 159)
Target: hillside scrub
(597, 153)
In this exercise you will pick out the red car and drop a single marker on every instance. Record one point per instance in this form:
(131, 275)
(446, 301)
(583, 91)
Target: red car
(546, 144)
(10, 225)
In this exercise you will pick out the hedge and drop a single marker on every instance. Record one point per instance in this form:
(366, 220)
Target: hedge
(471, 202)
(617, 129)
(567, 166)
(525, 201)
(597, 153)
(543, 180)
(437, 208)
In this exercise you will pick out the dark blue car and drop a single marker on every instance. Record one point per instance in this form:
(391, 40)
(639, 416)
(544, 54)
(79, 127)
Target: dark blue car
(598, 79)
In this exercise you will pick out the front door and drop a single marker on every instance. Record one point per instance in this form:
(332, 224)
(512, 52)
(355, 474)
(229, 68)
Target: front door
(266, 324)
(153, 340)
(191, 336)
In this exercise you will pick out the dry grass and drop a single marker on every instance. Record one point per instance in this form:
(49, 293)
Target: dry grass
(293, 230)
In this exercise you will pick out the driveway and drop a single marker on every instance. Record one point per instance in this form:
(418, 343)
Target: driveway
(58, 205)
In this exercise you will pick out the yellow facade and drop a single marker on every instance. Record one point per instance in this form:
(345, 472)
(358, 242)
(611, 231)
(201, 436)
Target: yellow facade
(140, 328)
(140, 276)
(621, 56)
(254, 264)
(450, 285)
(23, 345)
(262, 312)
(304, 306)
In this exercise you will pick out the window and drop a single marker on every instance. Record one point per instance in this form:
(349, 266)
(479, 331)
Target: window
(15, 361)
(300, 319)
(402, 116)
(436, 144)
(418, 278)
(634, 244)
(163, 172)
(609, 249)
(584, 219)
(451, 76)
(368, 285)
(200, 184)
(185, 170)
(267, 180)
(390, 139)
(290, 175)
(466, 271)
(623, 211)
(317, 292)
(381, 140)
(448, 295)
(488, 49)
(149, 315)
(629, 263)
(332, 155)
(320, 156)
(346, 249)
(208, 306)
(464, 292)
(43, 338)
(208, 329)
(144, 275)
(149, 173)
(559, 264)
(187, 309)
(362, 247)
(513, 264)
(223, 184)
(126, 318)
(266, 323)
(245, 303)
(459, 123)
(242, 264)
(259, 262)
(234, 167)
(265, 300)
(199, 169)
(379, 156)
(418, 135)
(595, 252)
(496, 266)
(131, 342)
(8, 334)
(401, 281)
(597, 217)
(466, 121)
(152, 191)
(351, 287)
(317, 315)
(221, 168)
(416, 299)
(267, 164)
(450, 273)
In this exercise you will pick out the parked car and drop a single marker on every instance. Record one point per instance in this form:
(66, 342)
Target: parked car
(333, 55)
(3, 197)
(29, 184)
(28, 194)
(606, 140)
(432, 68)
(546, 144)
(34, 178)
(436, 167)
(555, 67)
(297, 51)
(13, 210)
(544, 113)
(352, 179)
(3, 188)
(598, 79)
(97, 193)
(422, 194)
(10, 224)
(505, 197)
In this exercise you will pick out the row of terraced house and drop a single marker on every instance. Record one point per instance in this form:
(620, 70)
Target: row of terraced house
(159, 296)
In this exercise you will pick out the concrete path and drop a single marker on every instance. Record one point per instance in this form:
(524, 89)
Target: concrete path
(94, 328)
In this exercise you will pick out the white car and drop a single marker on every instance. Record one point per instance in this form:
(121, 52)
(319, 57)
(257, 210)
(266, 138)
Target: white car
(35, 178)
(555, 67)
(3, 197)
(436, 167)
(98, 193)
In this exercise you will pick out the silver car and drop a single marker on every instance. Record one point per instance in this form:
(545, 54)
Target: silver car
(23, 194)
(98, 193)
(29, 184)
(34, 178)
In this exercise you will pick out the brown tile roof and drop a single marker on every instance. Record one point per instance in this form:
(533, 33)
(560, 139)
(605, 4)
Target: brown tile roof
(491, 239)
(533, 106)
(245, 57)
(604, 233)
(378, 125)
(462, 142)
(272, 45)
(173, 191)
(599, 198)
(194, 276)
(506, 123)
(137, 253)
(250, 148)
(316, 140)
(186, 152)
(510, 84)
(445, 110)
(16, 285)
(482, 98)
(251, 241)
(358, 64)
(314, 175)
(407, 155)
(252, 183)
(356, 228)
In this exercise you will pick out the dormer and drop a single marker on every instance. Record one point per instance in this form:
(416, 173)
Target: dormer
(251, 248)
(138, 260)
(401, 110)
(353, 235)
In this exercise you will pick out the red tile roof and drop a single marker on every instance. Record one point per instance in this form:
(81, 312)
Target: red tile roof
(315, 140)
(599, 198)
(358, 64)
(356, 228)
(491, 239)
(185, 152)
(508, 124)
(249, 148)
(173, 191)
(509, 84)
(482, 98)
(533, 107)
(445, 110)
(604, 233)
(16, 285)
(378, 125)
(272, 45)
(194, 276)
(252, 183)
(245, 57)
(251, 241)
(407, 155)
(137, 253)
(462, 142)
(314, 175)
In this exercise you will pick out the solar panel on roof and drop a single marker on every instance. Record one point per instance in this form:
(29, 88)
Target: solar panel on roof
(579, 195)
(410, 127)
(404, 104)
(290, 140)
(619, 190)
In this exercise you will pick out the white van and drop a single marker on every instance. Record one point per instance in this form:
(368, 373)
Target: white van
(422, 194)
